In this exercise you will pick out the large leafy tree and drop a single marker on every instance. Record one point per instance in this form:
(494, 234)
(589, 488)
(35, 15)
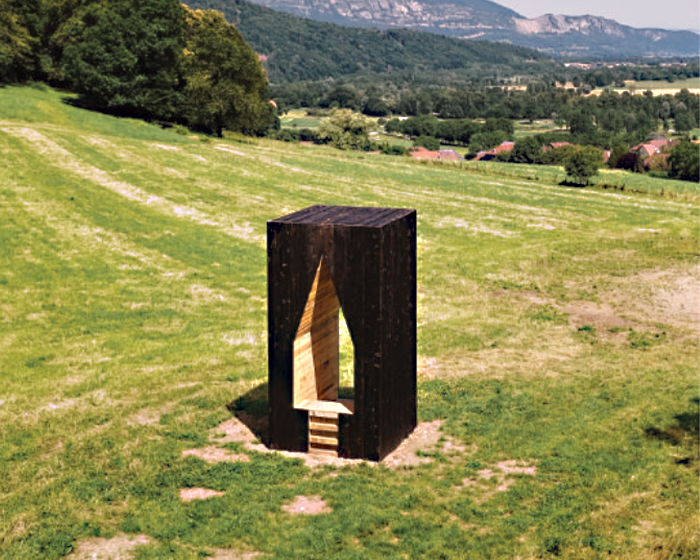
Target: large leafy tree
(526, 150)
(16, 45)
(226, 86)
(584, 164)
(345, 129)
(685, 161)
(123, 55)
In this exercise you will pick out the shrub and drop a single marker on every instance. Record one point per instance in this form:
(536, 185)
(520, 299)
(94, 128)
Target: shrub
(392, 126)
(428, 142)
(618, 151)
(584, 164)
(286, 135)
(392, 149)
(526, 150)
(557, 156)
(630, 161)
(685, 161)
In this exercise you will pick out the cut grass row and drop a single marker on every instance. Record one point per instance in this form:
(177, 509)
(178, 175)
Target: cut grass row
(132, 312)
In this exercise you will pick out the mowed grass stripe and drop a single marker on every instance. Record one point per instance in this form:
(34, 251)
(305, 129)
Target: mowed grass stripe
(56, 155)
(156, 259)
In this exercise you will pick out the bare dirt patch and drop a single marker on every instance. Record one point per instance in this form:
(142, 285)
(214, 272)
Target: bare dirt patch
(639, 302)
(145, 417)
(226, 554)
(120, 547)
(676, 297)
(512, 467)
(602, 317)
(426, 438)
(216, 455)
(530, 295)
(235, 430)
(428, 368)
(189, 494)
(502, 474)
(303, 505)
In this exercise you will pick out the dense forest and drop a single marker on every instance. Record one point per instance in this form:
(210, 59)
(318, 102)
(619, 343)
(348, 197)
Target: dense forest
(298, 49)
(151, 59)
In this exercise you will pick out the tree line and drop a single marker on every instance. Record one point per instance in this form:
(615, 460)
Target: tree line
(602, 120)
(151, 59)
(582, 147)
(460, 132)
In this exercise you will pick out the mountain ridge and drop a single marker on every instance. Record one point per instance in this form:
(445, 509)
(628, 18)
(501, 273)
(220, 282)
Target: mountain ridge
(300, 49)
(555, 34)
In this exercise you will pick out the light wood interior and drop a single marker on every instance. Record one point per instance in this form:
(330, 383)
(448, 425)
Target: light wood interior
(323, 433)
(316, 356)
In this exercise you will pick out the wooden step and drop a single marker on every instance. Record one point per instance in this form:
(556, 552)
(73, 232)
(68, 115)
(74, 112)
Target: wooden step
(323, 432)
(324, 440)
(333, 452)
(317, 426)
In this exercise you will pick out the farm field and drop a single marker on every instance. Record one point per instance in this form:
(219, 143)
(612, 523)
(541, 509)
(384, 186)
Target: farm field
(558, 355)
(657, 87)
(690, 83)
(298, 118)
(539, 126)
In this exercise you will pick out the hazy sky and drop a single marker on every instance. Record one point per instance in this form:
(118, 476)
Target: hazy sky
(667, 14)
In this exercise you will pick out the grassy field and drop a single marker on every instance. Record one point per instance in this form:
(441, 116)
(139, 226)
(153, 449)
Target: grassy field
(526, 128)
(298, 118)
(690, 83)
(657, 87)
(605, 179)
(558, 353)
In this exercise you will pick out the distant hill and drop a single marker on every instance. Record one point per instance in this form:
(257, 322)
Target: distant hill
(296, 49)
(559, 35)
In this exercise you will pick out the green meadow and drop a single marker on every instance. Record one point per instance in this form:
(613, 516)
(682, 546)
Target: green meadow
(557, 342)
(539, 126)
(690, 83)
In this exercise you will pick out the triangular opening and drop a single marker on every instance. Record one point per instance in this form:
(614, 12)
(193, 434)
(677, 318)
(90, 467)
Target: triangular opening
(317, 351)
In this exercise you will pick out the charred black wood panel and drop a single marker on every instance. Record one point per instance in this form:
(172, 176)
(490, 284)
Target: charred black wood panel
(371, 254)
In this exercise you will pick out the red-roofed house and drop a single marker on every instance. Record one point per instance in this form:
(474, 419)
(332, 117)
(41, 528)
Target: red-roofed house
(503, 148)
(554, 146)
(651, 147)
(422, 153)
(645, 150)
(449, 154)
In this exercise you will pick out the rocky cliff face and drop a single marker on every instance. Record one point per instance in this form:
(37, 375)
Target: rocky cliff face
(559, 24)
(558, 35)
(452, 15)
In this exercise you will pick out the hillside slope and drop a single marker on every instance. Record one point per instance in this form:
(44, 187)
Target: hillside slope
(559, 35)
(297, 49)
(557, 364)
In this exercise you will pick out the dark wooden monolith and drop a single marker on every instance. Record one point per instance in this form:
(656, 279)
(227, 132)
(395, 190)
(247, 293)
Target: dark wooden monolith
(363, 259)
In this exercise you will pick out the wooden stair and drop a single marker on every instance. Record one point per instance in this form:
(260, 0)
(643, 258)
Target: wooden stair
(323, 432)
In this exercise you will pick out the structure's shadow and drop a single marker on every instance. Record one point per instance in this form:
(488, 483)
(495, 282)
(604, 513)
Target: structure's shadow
(252, 410)
(684, 433)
